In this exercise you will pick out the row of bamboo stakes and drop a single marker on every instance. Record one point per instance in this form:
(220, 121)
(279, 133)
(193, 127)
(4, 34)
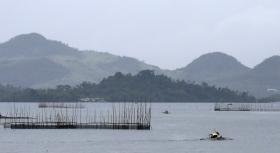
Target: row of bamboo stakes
(138, 114)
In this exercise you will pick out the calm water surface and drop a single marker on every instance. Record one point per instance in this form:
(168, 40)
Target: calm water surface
(178, 132)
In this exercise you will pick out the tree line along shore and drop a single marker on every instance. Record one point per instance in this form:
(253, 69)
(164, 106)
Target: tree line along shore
(144, 86)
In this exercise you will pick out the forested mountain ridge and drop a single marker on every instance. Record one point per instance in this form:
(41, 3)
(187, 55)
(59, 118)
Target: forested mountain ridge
(225, 71)
(145, 86)
(211, 67)
(31, 60)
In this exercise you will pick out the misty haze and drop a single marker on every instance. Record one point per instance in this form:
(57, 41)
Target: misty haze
(139, 76)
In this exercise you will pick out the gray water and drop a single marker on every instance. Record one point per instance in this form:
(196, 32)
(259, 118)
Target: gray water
(178, 132)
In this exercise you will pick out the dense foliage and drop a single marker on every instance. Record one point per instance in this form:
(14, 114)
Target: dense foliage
(272, 98)
(144, 86)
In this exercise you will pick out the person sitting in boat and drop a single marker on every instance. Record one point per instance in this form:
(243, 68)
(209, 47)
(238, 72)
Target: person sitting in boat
(215, 135)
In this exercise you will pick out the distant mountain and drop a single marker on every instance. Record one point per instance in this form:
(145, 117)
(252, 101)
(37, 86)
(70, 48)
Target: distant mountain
(31, 60)
(268, 71)
(262, 80)
(223, 70)
(211, 67)
(33, 45)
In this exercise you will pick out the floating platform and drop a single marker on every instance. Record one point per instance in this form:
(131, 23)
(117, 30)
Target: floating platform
(247, 107)
(60, 105)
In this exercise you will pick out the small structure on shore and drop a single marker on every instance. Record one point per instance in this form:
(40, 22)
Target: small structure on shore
(92, 100)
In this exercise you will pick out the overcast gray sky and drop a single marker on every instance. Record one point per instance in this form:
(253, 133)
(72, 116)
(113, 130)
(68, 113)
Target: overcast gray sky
(166, 33)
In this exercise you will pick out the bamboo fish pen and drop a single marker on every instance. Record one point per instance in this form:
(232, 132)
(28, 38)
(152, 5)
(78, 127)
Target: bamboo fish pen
(136, 116)
(247, 107)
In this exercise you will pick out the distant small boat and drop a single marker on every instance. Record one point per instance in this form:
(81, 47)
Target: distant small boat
(166, 112)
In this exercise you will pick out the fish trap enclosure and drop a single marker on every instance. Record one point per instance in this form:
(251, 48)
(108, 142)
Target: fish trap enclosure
(60, 105)
(134, 116)
(247, 107)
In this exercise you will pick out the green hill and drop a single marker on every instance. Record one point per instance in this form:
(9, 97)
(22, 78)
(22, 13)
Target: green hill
(225, 71)
(144, 86)
(31, 60)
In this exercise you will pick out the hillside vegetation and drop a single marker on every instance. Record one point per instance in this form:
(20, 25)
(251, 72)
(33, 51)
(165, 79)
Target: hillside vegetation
(33, 61)
(146, 85)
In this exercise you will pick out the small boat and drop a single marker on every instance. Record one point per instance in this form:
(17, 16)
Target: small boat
(215, 136)
(166, 112)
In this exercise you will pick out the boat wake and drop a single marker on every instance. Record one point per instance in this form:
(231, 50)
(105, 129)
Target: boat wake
(220, 139)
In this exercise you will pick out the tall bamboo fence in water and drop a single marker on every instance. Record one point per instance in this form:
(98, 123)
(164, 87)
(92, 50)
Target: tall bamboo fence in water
(121, 116)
